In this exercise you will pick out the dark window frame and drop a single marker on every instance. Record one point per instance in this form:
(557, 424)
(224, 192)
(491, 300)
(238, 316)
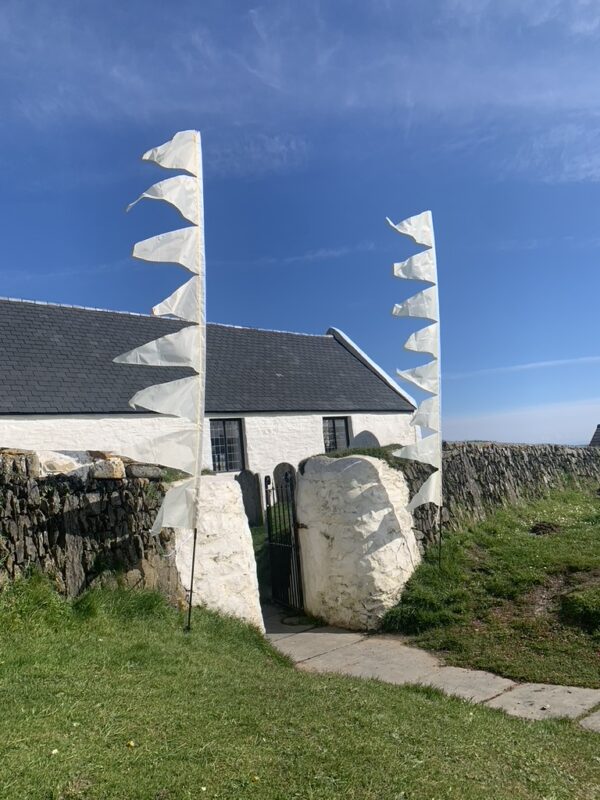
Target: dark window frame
(333, 434)
(226, 454)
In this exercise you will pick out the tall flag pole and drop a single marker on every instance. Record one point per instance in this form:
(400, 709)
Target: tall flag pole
(423, 305)
(183, 398)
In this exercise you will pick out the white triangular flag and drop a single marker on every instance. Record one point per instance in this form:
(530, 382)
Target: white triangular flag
(419, 228)
(177, 449)
(430, 492)
(425, 377)
(427, 414)
(427, 451)
(425, 340)
(180, 152)
(175, 247)
(177, 349)
(178, 398)
(423, 305)
(181, 192)
(421, 267)
(183, 303)
(178, 509)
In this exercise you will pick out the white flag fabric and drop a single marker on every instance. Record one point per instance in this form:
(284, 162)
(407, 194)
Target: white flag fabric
(175, 247)
(423, 305)
(177, 449)
(177, 349)
(421, 267)
(430, 492)
(425, 340)
(181, 192)
(178, 507)
(419, 228)
(177, 398)
(183, 303)
(427, 414)
(425, 377)
(426, 450)
(180, 152)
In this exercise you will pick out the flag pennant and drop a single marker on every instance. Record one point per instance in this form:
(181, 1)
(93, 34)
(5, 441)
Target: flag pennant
(430, 492)
(177, 449)
(427, 414)
(177, 349)
(426, 450)
(423, 305)
(180, 152)
(177, 398)
(183, 303)
(178, 507)
(421, 267)
(419, 228)
(425, 377)
(424, 341)
(181, 192)
(175, 247)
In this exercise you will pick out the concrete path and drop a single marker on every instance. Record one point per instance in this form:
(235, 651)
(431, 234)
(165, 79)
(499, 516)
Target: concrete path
(388, 658)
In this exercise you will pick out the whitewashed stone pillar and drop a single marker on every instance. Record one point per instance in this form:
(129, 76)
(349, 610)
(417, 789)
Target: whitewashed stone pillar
(225, 576)
(357, 543)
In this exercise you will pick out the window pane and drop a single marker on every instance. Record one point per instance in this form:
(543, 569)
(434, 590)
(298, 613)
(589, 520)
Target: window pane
(329, 434)
(335, 433)
(226, 445)
(341, 433)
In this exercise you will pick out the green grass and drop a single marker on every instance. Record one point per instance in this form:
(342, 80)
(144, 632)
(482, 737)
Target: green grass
(525, 606)
(108, 699)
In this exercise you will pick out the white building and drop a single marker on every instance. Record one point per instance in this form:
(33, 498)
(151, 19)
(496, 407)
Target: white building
(271, 397)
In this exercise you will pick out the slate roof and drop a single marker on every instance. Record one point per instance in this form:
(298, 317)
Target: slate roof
(596, 438)
(58, 360)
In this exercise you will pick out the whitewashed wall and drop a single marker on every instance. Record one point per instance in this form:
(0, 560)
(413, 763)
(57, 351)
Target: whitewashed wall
(357, 543)
(225, 575)
(269, 439)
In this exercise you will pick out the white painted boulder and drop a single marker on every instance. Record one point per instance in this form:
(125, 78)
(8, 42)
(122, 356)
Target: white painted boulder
(225, 575)
(357, 543)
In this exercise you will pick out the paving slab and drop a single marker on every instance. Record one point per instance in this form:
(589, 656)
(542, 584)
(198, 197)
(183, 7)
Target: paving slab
(469, 684)
(383, 657)
(316, 641)
(275, 629)
(546, 701)
(591, 723)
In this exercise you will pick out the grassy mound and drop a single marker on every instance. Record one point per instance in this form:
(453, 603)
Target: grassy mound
(512, 591)
(107, 698)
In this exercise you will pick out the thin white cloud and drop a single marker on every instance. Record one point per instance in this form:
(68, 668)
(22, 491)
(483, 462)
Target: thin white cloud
(473, 67)
(532, 365)
(68, 272)
(553, 423)
(320, 254)
(255, 154)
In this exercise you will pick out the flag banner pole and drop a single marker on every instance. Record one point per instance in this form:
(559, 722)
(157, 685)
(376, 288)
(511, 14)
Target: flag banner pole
(184, 398)
(424, 305)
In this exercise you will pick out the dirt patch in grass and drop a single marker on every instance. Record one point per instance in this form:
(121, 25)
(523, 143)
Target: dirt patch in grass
(544, 528)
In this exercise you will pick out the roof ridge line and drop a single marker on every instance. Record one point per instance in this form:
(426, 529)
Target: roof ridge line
(73, 305)
(153, 316)
(270, 330)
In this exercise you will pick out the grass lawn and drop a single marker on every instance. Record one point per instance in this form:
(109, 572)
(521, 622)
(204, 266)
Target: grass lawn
(525, 605)
(108, 699)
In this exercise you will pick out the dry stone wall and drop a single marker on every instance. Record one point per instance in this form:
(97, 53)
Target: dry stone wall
(481, 476)
(79, 531)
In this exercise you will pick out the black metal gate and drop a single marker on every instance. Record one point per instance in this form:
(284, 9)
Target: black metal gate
(282, 541)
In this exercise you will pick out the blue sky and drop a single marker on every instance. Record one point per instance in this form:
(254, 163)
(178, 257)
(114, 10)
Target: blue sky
(318, 120)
